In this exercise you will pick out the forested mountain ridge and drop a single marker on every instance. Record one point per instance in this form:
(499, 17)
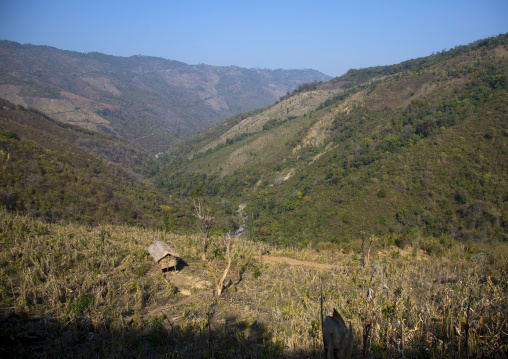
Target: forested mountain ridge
(417, 148)
(149, 101)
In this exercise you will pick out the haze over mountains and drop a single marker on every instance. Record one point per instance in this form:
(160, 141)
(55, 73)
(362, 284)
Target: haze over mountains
(149, 101)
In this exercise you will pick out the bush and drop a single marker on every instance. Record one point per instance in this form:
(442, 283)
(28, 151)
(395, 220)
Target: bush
(434, 248)
(257, 272)
(405, 217)
(402, 241)
(11, 134)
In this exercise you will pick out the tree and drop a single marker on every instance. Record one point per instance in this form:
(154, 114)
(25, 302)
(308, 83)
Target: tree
(205, 221)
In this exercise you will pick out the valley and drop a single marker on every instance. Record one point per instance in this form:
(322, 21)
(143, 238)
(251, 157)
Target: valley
(382, 193)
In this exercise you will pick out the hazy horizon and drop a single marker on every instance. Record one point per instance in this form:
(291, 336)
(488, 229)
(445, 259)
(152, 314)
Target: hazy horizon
(328, 36)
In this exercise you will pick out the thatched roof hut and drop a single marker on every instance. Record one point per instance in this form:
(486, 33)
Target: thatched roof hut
(163, 254)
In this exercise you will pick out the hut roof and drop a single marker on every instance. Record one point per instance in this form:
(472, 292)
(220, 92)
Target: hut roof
(159, 250)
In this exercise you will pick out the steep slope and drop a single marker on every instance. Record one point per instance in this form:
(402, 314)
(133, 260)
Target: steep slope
(150, 101)
(51, 170)
(418, 148)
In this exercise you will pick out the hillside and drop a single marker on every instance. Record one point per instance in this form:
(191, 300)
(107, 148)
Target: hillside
(414, 149)
(58, 172)
(382, 193)
(82, 292)
(151, 102)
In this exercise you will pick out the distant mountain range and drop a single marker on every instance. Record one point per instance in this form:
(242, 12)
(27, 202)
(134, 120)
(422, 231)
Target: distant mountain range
(151, 102)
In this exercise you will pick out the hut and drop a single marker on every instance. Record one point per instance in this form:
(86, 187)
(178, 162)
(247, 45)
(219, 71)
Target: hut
(163, 255)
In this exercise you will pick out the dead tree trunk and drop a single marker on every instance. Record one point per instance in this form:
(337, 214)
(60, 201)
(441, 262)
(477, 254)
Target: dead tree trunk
(219, 282)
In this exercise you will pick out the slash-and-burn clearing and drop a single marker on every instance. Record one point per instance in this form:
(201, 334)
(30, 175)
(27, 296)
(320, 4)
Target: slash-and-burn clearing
(80, 291)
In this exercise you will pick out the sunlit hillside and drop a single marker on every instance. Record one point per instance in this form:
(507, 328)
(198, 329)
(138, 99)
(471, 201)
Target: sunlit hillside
(382, 193)
(77, 291)
(414, 149)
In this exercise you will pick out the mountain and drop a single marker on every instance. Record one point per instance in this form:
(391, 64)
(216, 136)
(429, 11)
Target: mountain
(414, 149)
(149, 101)
(412, 156)
(58, 172)
(403, 151)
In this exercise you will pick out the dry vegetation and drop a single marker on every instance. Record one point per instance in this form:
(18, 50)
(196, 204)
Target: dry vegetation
(295, 106)
(77, 291)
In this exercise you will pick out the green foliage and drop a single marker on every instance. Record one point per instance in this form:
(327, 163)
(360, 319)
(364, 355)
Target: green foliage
(83, 304)
(356, 77)
(381, 193)
(10, 134)
(141, 270)
(257, 272)
(408, 152)
(47, 173)
(306, 87)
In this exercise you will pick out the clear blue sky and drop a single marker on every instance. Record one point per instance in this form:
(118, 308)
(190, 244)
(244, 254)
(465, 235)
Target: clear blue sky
(329, 36)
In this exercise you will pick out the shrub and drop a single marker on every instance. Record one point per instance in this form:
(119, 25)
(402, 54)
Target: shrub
(257, 272)
(401, 241)
(405, 217)
(11, 134)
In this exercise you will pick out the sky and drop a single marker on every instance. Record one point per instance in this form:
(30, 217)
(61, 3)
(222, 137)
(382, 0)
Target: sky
(325, 35)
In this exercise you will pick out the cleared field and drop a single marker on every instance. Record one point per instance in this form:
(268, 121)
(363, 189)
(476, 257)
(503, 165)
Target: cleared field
(78, 291)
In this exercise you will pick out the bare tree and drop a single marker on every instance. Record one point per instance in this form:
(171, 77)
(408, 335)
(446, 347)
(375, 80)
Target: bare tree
(206, 223)
(219, 282)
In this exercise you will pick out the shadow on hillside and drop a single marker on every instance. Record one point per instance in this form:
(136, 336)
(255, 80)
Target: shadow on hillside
(80, 337)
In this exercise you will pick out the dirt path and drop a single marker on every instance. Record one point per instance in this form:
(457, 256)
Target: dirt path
(297, 262)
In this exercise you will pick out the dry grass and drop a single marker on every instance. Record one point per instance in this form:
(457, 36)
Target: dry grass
(74, 291)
